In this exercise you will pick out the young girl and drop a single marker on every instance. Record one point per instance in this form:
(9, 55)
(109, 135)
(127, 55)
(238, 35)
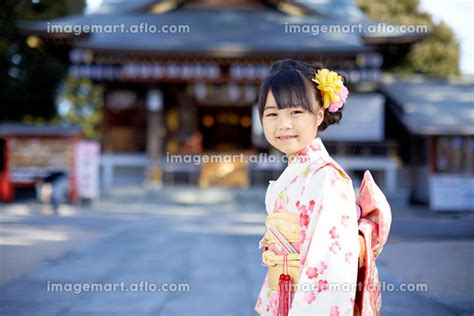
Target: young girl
(320, 242)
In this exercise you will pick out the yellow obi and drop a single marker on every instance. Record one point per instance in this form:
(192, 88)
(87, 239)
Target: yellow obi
(288, 226)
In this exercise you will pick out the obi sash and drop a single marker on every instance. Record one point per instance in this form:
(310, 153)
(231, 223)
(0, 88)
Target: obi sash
(281, 238)
(375, 218)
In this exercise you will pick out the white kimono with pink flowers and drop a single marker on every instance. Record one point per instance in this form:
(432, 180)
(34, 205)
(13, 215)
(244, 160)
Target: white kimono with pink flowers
(318, 189)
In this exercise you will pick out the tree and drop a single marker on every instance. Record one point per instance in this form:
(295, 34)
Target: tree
(80, 102)
(29, 75)
(438, 54)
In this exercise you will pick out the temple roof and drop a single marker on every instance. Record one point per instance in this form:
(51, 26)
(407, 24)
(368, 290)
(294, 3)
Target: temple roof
(20, 129)
(430, 106)
(256, 30)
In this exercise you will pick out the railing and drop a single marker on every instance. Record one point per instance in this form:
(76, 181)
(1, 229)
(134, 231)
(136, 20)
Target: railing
(259, 174)
(110, 161)
(373, 163)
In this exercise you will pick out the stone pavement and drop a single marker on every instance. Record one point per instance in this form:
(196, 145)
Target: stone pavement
(207, 240)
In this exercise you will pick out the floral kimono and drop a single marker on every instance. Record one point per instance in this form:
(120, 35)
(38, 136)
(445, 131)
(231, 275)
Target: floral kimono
(316, 231)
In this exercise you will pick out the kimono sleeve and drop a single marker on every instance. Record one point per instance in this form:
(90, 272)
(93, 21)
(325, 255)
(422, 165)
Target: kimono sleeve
(329, 246)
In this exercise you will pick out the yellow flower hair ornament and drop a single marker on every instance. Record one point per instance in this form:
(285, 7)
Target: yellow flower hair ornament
(332, 89)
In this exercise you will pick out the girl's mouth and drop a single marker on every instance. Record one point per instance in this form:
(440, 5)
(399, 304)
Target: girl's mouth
(287, 138)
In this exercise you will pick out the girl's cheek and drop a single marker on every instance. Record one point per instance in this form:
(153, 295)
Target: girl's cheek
(266, 124)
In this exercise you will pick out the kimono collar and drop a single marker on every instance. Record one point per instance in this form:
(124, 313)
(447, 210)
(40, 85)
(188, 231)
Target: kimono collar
(310, 158)
(312, 152)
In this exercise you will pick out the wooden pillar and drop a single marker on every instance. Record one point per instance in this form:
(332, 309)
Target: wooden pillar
(432, 154)
(155, 132)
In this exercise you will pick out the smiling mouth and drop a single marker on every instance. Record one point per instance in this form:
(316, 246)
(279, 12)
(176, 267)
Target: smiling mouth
(287, 137)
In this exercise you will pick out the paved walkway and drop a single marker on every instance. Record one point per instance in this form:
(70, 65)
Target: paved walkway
(208, 241)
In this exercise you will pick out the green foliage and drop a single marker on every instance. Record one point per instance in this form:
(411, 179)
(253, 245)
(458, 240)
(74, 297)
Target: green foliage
(29, 76)
(80, 102)
(49, 9)
(436, 55)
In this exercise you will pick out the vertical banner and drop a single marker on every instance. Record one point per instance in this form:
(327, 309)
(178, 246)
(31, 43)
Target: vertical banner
(87, 169)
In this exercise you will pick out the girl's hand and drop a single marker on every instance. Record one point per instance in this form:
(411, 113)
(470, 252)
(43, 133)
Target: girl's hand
(361, 251)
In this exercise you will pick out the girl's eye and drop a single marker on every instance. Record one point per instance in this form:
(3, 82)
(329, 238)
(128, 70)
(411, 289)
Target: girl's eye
(271, 114)
(297, 112)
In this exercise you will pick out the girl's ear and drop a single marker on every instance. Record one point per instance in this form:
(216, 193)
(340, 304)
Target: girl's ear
(320, 116)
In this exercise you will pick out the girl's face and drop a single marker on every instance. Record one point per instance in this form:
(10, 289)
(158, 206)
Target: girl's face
(290, 130)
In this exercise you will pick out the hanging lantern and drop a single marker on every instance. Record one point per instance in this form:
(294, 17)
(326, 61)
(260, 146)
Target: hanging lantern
(187, 71)
(250, 93)
(251, 72)
(263, 71)
(234, 92)
(200, 91)
(154, 100)
(146, 71)
(199, 71)
(158, 71)
(214, 71)
(236, 72)
(134, 70)
(172, 71)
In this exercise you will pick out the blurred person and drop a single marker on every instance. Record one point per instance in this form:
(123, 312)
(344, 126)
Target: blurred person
(53, 190)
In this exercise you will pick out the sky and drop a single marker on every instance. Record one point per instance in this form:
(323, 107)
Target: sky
(458, 14)
(92, 5)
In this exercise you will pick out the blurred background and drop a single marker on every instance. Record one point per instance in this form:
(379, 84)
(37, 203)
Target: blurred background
(96, 96)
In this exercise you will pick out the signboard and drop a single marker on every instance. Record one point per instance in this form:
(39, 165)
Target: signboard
(87, 158)
(451, 192)
(36, 157)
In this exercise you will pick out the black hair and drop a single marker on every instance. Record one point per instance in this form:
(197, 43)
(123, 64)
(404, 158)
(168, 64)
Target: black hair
(290, 83)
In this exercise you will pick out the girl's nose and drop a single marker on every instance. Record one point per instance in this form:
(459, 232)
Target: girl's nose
(284, 122)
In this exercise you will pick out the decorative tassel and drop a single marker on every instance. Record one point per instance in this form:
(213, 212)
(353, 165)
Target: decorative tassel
(284, 290)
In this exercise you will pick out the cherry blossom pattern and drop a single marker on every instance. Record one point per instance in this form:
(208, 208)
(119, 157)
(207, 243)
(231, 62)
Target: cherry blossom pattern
(304, 153)
(302, 236)
(310, 148)
(273, 302)
(304, 220)
(344, 196)
(322, 285)
(334, 311)
(333, 233)
(345, 220)
(335, 247)
(306, 209)
(309, 297)
(305, 212)
(315, 146)
(312, 272)
(281, 203)
(305, 216)
(321, 267)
